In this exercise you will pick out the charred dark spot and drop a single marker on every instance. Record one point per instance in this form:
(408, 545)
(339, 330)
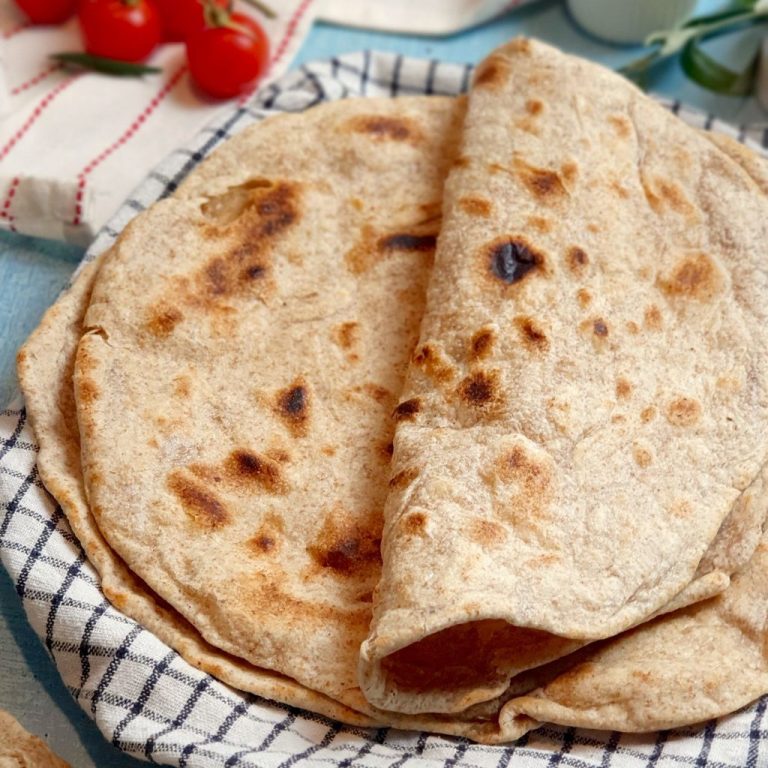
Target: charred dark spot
(264, 543)
(407, 410)
(479, 389)
(347, 550)
(600, 328)
(247, 468)
(577, 260)
(255, 271)
(481, 343)
(388, 449)
(531, 333)
(511, 259)
(201, 505)
(404, 478)
(408, 242)
(293, 408)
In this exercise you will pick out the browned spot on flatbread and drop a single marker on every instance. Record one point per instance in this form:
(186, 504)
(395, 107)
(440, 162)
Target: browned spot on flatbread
(163, 318)
(461, 161)
(584, 297)
(481, 389)
(376, 392)
(433, 362)
(404, 478)
(405, 241)
(621, 125)
(531, 333)
(569, 171)
(386, 128)
(225, 208)
(481, 344)
(407, 410)
(665, 195)
(511, 259)
(292, 405)
(619, 189)
(182, 386)
(576, 260)
(476, 206)
(246, 470)
(372, 247)
(643, 457)
(414, 523)
(328, 450)
(492, 73)
(486, 532)
(346, 550)
(543, 183)
(267, 538)
(694, 277)
(623, 388)
(244, 268)
(633, 328)
(529, 477)
(683, 412)
(88, 392)
(539, 223)
(652, 318)
(681, 508)
(534, 106)
(200, 504)
(648, 414)
(600, 327)
(346, 334)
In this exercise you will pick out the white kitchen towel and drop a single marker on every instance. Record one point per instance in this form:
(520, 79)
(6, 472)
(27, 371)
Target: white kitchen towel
(74, 145)
(422, 17)
(144, 697)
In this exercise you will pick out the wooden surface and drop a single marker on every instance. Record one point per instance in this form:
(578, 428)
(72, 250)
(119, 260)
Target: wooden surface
(33, 271)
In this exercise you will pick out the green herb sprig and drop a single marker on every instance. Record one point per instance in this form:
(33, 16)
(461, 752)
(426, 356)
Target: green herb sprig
(698, 65)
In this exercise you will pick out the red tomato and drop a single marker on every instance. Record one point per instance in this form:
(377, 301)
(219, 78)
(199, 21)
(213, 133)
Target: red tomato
(47, 11)
(183, 17)
(224, 61)
(128, 30)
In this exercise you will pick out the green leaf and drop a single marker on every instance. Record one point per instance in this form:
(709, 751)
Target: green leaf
(104, 65)
(704, 70)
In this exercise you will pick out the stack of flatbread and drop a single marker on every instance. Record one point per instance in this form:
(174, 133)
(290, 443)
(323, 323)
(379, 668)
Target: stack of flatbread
(445, 414)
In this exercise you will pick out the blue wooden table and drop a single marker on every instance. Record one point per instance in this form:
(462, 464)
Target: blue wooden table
(32, 272)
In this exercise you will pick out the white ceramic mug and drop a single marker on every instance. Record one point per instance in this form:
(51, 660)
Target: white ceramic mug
(629, 21)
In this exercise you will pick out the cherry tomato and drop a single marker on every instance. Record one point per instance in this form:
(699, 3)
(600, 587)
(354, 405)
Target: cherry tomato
(183, 17)
(128, 30)
(48, 11)
(226, 60)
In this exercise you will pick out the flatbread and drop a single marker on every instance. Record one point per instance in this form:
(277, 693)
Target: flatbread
(20, 749)
(45, 365)
(588, 399)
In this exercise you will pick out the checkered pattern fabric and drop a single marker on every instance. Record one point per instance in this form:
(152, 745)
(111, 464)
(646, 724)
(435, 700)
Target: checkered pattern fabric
(144, 697)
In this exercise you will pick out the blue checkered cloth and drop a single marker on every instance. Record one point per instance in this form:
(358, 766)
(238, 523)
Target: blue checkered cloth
(143, 696)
